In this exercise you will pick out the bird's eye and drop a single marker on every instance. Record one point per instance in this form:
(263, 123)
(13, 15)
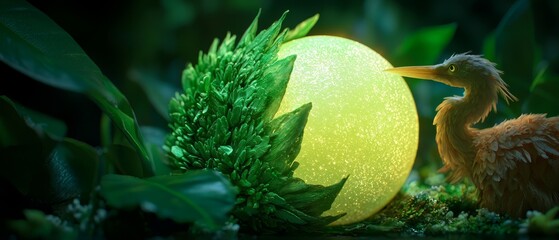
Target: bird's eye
(452, 68)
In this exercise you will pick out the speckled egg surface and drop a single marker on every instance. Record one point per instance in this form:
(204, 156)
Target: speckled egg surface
(363, 122)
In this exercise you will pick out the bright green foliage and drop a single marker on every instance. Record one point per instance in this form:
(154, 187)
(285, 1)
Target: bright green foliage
(224, 120)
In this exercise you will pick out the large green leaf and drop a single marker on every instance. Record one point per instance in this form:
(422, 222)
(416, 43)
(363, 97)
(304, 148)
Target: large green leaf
(33, 44)
(515, 50)
(38, 166)
(200, 196)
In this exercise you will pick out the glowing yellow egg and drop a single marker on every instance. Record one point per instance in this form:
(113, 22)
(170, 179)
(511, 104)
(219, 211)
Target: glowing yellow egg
(363, 122)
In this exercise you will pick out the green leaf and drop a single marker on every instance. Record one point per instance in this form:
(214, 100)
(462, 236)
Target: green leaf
(20, 148)
(290, 217)
(154, 139)
(302, 29)
(33, 44)
(489, 47)
(249, 34)
(14, 130)
(39, 166)
(36, 46)
(543, 94)
(275, 79)
(424, 46)
(42, 123)
(541, 78)
(286, 138)
(158, 92)
(70, 171)
(515, 50)
(200, 196)
(315, 199)
(125, 160)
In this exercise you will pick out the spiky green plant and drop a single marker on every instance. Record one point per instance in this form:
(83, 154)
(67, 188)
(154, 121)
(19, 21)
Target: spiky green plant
(224, 120)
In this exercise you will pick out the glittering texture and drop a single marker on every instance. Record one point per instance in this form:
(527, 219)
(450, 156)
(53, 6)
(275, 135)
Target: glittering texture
(223, 121)
(363, 122)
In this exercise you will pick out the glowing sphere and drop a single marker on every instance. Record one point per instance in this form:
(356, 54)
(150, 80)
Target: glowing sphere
(363, 122)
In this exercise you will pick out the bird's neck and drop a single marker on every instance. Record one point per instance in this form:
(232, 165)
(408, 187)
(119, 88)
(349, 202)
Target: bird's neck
(455, 133)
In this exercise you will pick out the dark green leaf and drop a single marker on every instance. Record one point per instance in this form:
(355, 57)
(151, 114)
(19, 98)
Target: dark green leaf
(125, 160)
(424, 46)
(541, 78)
(42, 123)
(489, 47)
(275, 79)
(154, 139)
(249, 34)
(158, 92)
(543, 94)
(41, 167)
(70, 171)
(33, 44)
(200, 196)
(14, 130)
(302, 29)
(515, 47)
(36, 46)
(286, 138)
(20, 148)
(290, 217)
(315, 199)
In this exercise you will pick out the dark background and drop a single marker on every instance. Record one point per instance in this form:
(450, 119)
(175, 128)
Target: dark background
(157, 38)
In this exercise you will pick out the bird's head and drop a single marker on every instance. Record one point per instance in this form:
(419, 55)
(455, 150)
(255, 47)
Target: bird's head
(460, 70)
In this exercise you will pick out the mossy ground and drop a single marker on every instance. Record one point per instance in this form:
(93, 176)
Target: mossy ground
(434, 208)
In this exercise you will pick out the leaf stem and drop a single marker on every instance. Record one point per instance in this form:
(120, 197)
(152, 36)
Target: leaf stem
(105, 126)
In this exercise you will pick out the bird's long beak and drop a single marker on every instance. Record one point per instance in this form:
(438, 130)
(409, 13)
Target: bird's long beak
(422, 72)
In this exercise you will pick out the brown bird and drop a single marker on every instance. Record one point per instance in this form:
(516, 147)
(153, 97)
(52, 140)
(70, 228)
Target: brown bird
(514, 165)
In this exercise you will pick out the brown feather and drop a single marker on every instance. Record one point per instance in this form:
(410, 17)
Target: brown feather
(514, 165)
(530, 178)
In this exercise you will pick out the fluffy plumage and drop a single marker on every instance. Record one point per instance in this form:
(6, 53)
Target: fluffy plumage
(514, 165)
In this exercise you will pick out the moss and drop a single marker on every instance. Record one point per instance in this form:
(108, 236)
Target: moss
(445, 209)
